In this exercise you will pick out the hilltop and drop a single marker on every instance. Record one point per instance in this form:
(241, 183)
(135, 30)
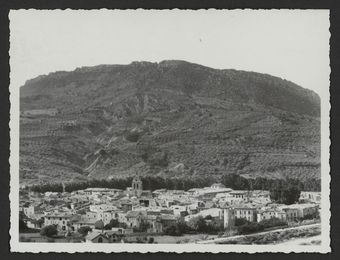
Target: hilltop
(172, 118)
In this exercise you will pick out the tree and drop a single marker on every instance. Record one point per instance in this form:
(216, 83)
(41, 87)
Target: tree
(177, 229)
(250, 228)
(84, 230)
(99, 225)
(49, 231)
(40, 222)
(272, 222)
(235, 181)
(241, 221)
(214, 227)
(22, 225)
(113, 223)
(285, 194)
(143, 227)
(182, 226)
(198, 224)
(172, 230)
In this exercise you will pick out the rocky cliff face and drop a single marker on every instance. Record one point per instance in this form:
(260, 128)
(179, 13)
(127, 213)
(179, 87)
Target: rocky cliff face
(171, 118)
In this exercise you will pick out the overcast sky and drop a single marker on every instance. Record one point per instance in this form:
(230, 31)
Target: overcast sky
(289, 44)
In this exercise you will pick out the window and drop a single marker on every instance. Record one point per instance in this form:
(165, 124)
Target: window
(100, 240)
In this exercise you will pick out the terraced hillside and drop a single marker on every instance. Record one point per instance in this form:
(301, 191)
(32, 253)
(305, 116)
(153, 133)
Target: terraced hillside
(171, 118)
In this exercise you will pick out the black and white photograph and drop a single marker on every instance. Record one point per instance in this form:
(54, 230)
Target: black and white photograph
(169, 130)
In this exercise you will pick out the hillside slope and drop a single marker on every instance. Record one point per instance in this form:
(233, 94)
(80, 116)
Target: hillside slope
(171, 118)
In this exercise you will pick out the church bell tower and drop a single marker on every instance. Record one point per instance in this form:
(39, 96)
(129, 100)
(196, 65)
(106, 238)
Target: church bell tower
(137, 186)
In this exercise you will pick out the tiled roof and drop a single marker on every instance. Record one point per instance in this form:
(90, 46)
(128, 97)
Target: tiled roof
(94, 234)
(133, 214)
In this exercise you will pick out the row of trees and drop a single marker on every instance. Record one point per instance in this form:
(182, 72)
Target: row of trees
(238, 182)
(233, 181)
(210, 226)
(195, 225)
(245, 227)
(288, 194)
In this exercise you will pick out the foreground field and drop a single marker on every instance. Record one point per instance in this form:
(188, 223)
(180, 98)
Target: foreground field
(302, 235)
(315, 240)
(36, 237)
(187, 238)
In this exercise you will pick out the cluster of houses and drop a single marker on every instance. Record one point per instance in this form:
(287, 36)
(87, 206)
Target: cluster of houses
(136, 210)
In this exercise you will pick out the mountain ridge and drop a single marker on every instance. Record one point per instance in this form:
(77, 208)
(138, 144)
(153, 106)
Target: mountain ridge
(100, 66)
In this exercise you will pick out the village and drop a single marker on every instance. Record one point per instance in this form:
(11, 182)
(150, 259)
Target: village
(135, 215)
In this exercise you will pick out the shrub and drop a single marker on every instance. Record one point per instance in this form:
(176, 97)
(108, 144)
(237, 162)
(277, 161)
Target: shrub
(159, 159)
(25, 239)
(198, 224)
(176, 229)
(22, 225)
(273, 222)
(288, 194)
(250, 228)
(49, 231)
(113, 223)
(143, 227)
(241, 221)
(99, 224)
(132, 137)
(220, 234)
(84, 230)
(315, 215)
(214, 227)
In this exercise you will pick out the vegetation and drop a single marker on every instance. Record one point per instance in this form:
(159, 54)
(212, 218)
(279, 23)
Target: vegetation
(22, 226)
(209, 120)
(246, 227)
(177, 229)
(49, 231)
(113, 223)
(195, 225)
(143, 227)
(99, 225)
(315, 215)
(272, 222)
(282, 189)
(270, 237)
(133, 137)
(240, 222)
(198, 224)
(250, 227)
(84, 230)
(287, 194)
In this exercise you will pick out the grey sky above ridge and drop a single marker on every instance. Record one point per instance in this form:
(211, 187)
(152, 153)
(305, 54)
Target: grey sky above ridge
(290, 44)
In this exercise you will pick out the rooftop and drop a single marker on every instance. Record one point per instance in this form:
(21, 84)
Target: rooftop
(93, 235)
